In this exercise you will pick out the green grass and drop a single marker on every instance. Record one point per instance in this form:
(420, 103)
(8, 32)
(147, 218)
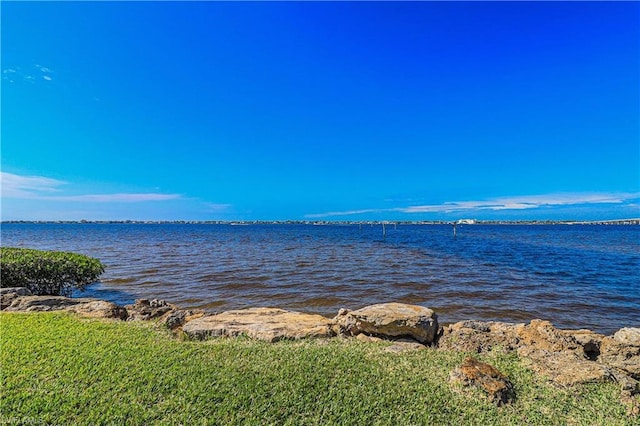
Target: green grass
(60, 369)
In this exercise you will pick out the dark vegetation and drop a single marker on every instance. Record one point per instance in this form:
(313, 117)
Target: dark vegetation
(47, 272)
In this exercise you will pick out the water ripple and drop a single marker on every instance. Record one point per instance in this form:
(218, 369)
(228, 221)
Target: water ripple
(575, 276)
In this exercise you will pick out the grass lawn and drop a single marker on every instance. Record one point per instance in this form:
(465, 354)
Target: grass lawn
(60, 369)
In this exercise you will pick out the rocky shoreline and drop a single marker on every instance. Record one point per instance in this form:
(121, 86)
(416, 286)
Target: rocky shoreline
(564, 357)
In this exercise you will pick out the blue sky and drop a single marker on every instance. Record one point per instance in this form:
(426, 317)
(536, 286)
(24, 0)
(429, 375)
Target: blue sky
(323, 110)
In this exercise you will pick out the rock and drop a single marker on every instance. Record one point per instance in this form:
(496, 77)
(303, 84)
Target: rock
(268, 324)
(628, 336)
(99, 309)
(566, 357)
(365, 338)
(565, 368)
(589, 341)
(404, 345)
(390, 320)
(477, 336)
(486, 377)
(9, 294)
(144, 309)
(398, 346)
(44, 303)
(176, 319)
(627, 383)
(542, 335)
(622, 350)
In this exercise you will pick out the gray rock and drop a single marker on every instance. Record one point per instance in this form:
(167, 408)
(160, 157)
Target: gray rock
(44, 303)
(176, 319)
(616, 353)
(145, 309)
(9, 294)
(390, 320)
(20, 291)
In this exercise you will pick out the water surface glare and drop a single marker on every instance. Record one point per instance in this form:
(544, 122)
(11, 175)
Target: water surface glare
(583, 276)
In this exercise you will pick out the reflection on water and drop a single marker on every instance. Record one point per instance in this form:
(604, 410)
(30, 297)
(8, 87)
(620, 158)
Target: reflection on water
(575, 276)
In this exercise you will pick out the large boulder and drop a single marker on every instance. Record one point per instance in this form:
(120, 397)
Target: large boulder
(390, 320)
(9, 294)
(44, 303)
(268, 324)
(99, 309)
(486, 377)
(622, 350)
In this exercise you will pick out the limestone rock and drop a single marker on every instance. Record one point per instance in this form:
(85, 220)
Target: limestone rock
(268, 324)
(622, 350)
(477, 336)
(628, 336)
(144, 309)
(565, 368)
(9, 294)
(542, 335)
(486, 377)
(390, 320)
(365, 338)
(404, 345)
(99, 309)
(589, 340)
(626, 382)
(44, 303)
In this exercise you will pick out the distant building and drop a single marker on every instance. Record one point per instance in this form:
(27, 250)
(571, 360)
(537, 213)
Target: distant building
(466, 222)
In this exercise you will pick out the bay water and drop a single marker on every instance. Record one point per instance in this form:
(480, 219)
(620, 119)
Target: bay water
(576, 276)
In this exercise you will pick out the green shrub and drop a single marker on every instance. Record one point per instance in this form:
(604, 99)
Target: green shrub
(47, 272)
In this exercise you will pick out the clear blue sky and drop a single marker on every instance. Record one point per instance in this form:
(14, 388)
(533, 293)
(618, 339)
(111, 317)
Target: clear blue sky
(324, 110)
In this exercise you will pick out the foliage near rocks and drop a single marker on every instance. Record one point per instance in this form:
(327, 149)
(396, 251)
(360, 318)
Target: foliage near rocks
(60, 369)
(47, 272)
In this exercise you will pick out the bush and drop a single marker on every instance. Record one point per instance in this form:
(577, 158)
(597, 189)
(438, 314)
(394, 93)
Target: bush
(47, 272)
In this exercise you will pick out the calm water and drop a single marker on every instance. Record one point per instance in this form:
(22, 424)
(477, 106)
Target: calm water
(574, 276)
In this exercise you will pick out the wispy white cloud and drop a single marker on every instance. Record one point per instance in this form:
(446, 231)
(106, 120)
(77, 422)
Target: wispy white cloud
(503, 203)
(30, 74)
(525, 202)
(16, 186)
(215, 208)
(48, 189)
(115, 198)
(344, 213)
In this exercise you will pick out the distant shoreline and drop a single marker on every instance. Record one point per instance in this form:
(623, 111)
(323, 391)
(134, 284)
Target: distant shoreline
(316, 222)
